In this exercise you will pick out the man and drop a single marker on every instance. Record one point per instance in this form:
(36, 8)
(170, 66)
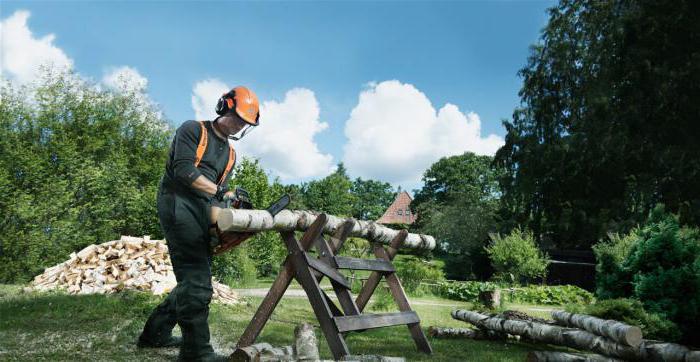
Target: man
(194, 183)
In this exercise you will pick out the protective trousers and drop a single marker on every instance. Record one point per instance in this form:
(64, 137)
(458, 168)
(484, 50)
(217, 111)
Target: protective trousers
(184, 220)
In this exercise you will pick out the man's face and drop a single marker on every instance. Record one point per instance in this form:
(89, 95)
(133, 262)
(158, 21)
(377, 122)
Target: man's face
(231, 123)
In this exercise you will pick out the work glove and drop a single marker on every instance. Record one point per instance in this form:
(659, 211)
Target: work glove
(221, 191)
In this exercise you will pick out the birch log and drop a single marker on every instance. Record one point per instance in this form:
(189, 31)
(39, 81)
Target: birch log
(305, 348)
(551, 356)
(580, 339)
(538, 332)
(617, 331)
(467, 333)
(238, 220)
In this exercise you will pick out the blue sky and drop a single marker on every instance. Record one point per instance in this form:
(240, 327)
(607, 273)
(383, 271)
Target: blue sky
(463, 53)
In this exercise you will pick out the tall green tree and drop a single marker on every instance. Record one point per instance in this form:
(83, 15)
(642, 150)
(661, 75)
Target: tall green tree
(330, 194)
(372, 198)
(607, 123)
(266, 250)
(79, 166)
(458, 204)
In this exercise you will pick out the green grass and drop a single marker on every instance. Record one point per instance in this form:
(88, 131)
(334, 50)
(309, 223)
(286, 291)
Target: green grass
(59, 327)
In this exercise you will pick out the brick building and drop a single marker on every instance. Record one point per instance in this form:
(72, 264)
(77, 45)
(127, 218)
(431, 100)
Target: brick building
(399, 211)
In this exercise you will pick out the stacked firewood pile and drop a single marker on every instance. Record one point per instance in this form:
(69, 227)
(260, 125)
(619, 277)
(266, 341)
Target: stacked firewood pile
(128, 263)
(608, 339)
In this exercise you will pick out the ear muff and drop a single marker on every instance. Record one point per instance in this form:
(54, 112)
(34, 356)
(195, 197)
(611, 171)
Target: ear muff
(225, 103)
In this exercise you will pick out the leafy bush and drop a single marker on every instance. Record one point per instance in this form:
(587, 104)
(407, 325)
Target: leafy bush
(665, 265)
(533, 294)
(661, 269)
(382, 300)
(632, 312)
(550, 295)
(465, 291)
(412, 271)
(516, 257)
(235, 267)
(266, 249)
(610, 255)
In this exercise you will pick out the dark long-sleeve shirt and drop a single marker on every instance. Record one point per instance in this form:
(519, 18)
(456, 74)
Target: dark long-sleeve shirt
(180, 171)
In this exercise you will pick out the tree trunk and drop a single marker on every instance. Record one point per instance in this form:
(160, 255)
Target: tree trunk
(240, 220)
(551, 356)
(579, 339)
(618, 332)
(490, 298)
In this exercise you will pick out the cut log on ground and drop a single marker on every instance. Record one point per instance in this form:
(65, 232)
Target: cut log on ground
(490, 298)
(550, 356)
(305, 349)
(617, 331)
(128, 263)
(262, 352)
(241, 220)
(372, 358)
(305, 343)
(579, 339)
(467, 333)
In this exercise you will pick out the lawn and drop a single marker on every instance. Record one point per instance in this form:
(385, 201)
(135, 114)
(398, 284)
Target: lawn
(59, 327)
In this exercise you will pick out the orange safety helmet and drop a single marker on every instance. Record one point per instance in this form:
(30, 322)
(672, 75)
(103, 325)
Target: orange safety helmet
(244, 101)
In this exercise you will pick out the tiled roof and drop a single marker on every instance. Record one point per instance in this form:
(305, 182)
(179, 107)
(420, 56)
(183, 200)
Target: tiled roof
(399, 212)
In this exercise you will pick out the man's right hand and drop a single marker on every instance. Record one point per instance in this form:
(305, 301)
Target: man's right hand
(229, 195)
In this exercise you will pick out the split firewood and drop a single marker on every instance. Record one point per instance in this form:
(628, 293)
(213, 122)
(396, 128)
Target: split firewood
(241, 220)
(617, 331)
(129, 263)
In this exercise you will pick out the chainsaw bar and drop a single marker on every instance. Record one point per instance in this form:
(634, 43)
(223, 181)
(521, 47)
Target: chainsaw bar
(279, 205)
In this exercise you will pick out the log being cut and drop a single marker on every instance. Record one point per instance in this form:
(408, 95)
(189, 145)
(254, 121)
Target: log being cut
(240, 220)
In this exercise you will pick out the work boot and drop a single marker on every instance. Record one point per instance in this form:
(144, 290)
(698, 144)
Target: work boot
(172, 341)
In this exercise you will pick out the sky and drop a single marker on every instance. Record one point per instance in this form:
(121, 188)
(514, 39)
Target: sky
(387, 88)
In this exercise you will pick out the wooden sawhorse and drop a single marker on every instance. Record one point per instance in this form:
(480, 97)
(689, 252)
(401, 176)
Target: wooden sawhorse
(309, 270)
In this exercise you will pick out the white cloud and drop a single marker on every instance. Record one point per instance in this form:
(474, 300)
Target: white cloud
(205, 94)
(22, 55)
(284, 140)
(125, 78)
(394, 133)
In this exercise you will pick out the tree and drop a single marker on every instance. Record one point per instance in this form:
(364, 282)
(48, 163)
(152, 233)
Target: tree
(659, 265)
(266, 250)
(516, 258)
(372, 198)
(79, 166)
(458, 204)
(330, 194)
(607, 123)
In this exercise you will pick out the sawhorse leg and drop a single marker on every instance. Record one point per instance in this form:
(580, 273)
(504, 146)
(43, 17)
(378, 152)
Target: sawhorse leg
(280, 285)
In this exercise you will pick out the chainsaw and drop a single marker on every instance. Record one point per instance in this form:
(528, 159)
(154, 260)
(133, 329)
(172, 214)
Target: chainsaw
(241, 200)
